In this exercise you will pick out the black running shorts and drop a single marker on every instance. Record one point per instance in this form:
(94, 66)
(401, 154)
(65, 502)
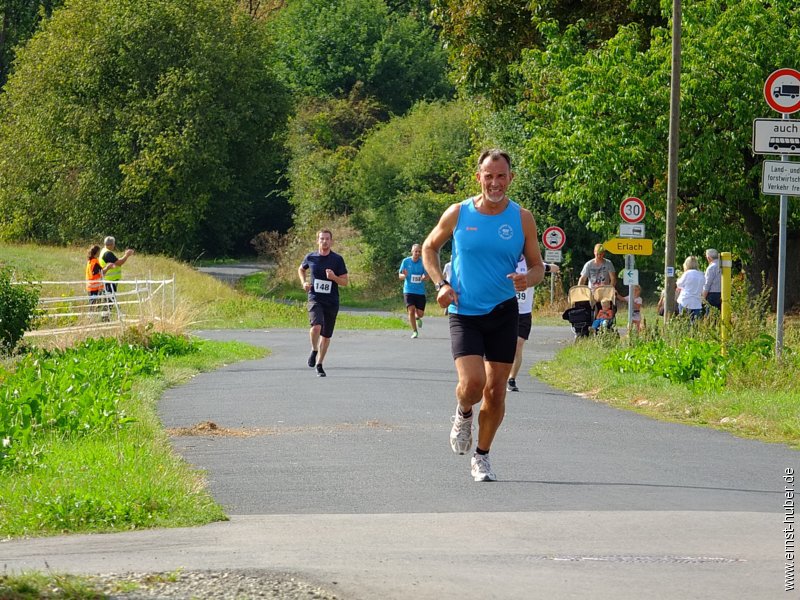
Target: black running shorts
(524, 327)
(492, 336)
(417, 300)
(325, 316)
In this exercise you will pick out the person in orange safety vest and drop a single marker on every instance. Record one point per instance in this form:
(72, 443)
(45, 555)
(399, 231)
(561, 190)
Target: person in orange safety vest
(94, 275)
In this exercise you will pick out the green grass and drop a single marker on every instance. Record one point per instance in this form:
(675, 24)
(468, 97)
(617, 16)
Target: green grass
(253, 313)
(202, 301)
(78, 484)
(760, 402)
(50, 586)
(386, 297)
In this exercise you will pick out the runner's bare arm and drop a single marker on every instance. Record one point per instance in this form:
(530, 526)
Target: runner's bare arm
(301, 273)
(437, 238)
(533, 256)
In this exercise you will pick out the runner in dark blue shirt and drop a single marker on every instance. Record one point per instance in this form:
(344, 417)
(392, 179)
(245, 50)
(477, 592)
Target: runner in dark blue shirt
(328, 272)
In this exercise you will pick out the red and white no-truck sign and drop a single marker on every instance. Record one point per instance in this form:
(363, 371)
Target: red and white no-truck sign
(554, 238)
(782, 91)
(632, 210)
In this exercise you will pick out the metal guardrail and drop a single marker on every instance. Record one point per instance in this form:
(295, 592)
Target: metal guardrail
(66, 306)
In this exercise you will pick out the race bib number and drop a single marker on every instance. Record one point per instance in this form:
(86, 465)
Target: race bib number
(323, 286)
(522, 296)
(416, 279)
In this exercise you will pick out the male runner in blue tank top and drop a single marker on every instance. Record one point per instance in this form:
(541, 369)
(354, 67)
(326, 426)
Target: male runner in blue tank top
(412, 274)
(489, 234)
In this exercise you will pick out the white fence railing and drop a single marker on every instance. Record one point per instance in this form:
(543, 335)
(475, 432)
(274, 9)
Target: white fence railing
(67, 306)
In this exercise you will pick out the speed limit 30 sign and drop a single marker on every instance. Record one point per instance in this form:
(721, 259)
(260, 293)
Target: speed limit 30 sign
(632, 210)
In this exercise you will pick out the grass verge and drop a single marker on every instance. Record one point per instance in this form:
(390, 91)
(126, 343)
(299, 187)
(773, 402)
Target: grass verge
(41, 586)
(202, 302)
(121, 480)
(755, 407)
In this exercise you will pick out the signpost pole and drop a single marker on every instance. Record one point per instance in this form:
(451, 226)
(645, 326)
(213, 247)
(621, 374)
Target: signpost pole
(781, 84)
(672, 170)
(781, 266)
(630, 263)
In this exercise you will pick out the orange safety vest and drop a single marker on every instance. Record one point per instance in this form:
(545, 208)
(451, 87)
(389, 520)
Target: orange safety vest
(94, 281)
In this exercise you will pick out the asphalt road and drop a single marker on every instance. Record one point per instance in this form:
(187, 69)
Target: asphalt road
(350, 482)
(233, 272)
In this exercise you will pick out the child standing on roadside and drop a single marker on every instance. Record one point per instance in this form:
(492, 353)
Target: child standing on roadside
(637, 306)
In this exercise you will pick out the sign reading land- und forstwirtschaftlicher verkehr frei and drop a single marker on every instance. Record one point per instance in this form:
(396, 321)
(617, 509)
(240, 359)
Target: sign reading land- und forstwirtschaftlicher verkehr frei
(781, 178)
(776, 136)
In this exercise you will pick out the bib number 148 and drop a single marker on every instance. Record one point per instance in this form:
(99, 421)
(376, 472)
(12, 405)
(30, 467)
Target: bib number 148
(323, 286)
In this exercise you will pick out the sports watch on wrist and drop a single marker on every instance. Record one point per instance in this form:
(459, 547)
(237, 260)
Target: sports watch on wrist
(441, 284)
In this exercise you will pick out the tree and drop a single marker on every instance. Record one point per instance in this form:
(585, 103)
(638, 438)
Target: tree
(155, 120)
(18, 20)
(599, 120)
(327, 48)
(324, 137)
(487, 38)
(406, 174)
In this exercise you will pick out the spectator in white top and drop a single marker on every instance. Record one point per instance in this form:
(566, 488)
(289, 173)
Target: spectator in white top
(690, 288)
(712, 289)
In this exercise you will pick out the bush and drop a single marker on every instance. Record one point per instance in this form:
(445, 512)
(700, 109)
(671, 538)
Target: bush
(17, 310)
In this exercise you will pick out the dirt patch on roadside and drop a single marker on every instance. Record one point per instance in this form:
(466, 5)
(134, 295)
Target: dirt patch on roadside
(211, 429)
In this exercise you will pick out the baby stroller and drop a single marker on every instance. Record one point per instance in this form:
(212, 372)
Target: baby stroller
(580, 313)
(583, 303)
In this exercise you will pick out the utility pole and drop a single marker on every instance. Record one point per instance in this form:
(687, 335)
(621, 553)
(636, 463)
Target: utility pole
(672, 176)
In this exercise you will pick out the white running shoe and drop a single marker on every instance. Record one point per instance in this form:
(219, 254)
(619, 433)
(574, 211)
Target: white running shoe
(419, 323)
(461, 433)
(481, 469)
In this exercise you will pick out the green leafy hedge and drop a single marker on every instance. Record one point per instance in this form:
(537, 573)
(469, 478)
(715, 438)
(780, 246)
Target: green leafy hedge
(74, 392)
(17, 310)
(698, 364)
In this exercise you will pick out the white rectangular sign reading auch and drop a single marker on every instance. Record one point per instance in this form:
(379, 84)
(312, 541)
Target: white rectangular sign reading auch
(631, 230)
(776, 136)
(781, 178)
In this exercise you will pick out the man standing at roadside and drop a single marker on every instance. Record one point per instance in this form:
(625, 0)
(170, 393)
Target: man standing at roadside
(108, 260)
(413, 275)
(328, 272)
(489, 234)
(712, 288)
(598, 271)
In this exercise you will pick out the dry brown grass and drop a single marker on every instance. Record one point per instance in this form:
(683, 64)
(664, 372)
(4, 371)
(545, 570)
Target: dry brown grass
(195, 294)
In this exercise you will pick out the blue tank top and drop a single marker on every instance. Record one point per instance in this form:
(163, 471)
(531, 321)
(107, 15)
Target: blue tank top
(486, 249)
(413, 283)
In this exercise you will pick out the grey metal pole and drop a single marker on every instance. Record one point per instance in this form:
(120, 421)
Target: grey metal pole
(672, 177)
(630, 265)
(779, 307)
